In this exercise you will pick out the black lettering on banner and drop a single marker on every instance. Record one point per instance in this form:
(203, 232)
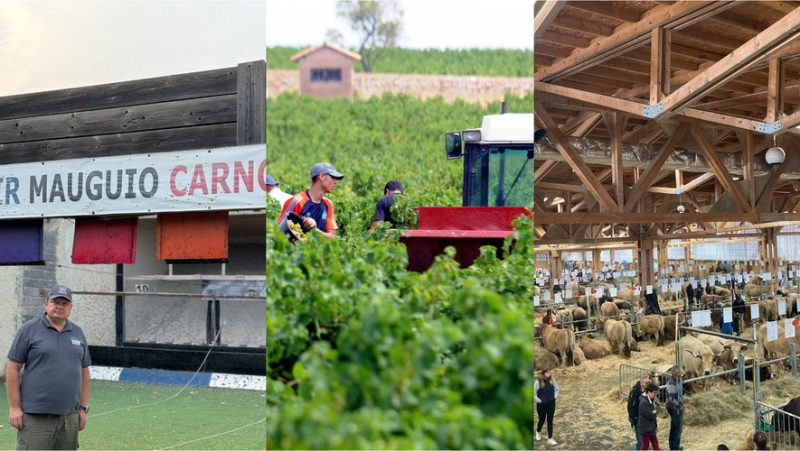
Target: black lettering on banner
(38, 189)
(94, 192)
(154, 186)
(130, 194)
(78, 196)
(57, 189)
(109, 184)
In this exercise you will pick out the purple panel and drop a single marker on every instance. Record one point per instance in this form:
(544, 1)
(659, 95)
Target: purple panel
(21, 242)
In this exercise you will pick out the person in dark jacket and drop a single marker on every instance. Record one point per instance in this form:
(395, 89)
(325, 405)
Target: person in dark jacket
(634, 397)
(689, 297)
(738, 314)
(648, 417)
(675, 407)
(545, 390)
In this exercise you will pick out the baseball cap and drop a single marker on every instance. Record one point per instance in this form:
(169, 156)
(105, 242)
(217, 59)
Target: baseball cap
(325, 168)
(60, 291)
(271, 181)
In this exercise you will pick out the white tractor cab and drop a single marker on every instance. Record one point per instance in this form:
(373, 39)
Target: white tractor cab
(498, 160)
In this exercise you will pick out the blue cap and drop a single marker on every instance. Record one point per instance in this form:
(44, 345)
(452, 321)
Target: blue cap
(271, 181)
(60, 291)
(325, 168)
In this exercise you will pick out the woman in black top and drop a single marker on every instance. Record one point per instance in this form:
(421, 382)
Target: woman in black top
(545, 391)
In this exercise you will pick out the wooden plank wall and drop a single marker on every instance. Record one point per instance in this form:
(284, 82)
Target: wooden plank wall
(215, 108)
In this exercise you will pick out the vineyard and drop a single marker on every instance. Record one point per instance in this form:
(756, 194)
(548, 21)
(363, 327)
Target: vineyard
(363, 354)
(489, 62)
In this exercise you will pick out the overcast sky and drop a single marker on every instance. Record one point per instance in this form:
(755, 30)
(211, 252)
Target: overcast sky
(47, 45)
(428, 23)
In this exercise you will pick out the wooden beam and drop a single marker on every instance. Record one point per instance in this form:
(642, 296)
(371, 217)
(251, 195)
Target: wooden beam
(615, 122)
(544, 11)
(598, 100)
(720, 170)
(574, 159)
(695, 183)
(660, 50)
(627, 37)
(774, 90)
(542, 170)
(779, 35)
(560, 187)
(562, 95)
(655, 166)
(765, 197)
(649, 217)
(746, 139)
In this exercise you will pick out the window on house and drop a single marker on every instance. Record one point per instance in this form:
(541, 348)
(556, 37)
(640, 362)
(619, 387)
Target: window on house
(326, 75)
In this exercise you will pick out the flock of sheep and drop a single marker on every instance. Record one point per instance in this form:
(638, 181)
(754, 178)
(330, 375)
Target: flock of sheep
(701, 355)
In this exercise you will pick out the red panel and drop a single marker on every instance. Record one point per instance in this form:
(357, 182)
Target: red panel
(468, 218)
(193, 236)
(101, 241)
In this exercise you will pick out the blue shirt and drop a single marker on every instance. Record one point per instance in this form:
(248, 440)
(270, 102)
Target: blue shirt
(53, 363)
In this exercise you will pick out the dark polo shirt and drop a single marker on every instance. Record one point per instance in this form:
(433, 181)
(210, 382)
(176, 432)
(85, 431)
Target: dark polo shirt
(53, 363)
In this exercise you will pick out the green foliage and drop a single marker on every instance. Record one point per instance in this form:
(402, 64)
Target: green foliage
(482, 62)
(363, 354)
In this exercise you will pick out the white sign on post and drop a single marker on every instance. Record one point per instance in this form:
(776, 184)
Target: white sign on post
(754, 311)
(727, 315)
(788, 327)
(781, 307)
(696, 319)
(772, 330)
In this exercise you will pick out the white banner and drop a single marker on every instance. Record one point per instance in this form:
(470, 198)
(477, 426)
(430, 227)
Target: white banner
(228, 178)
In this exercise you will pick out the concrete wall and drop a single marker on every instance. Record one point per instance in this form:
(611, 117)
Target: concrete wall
(152, 319)
(9, 298)
(450, 87)
(93, 313)
(326, 58)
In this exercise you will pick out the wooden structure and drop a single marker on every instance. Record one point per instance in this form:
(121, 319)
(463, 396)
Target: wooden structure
(201, 110)
(684, 97)
(326, 71)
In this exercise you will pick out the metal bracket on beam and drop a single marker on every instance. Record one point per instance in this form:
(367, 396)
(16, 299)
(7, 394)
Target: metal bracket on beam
(769, 129)
(653, 111)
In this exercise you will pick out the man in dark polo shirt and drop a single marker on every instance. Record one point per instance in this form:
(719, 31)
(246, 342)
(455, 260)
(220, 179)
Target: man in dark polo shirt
(47, 377)
(383, 209)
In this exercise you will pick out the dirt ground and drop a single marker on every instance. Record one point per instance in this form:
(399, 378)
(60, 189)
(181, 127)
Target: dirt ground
(590, 414)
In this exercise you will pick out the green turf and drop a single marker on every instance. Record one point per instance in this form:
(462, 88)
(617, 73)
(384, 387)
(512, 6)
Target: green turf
(196, 413)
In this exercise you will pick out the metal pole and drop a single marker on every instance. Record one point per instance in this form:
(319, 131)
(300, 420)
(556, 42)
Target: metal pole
(741, 372)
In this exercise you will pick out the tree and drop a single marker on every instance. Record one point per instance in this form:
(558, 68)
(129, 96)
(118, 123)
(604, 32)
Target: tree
(378, 25)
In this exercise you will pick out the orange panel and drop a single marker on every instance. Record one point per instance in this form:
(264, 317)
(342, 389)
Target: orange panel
(192, 236)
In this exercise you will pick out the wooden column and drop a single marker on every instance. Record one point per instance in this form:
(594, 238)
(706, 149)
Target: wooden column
(555, 266)
(597, 265)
